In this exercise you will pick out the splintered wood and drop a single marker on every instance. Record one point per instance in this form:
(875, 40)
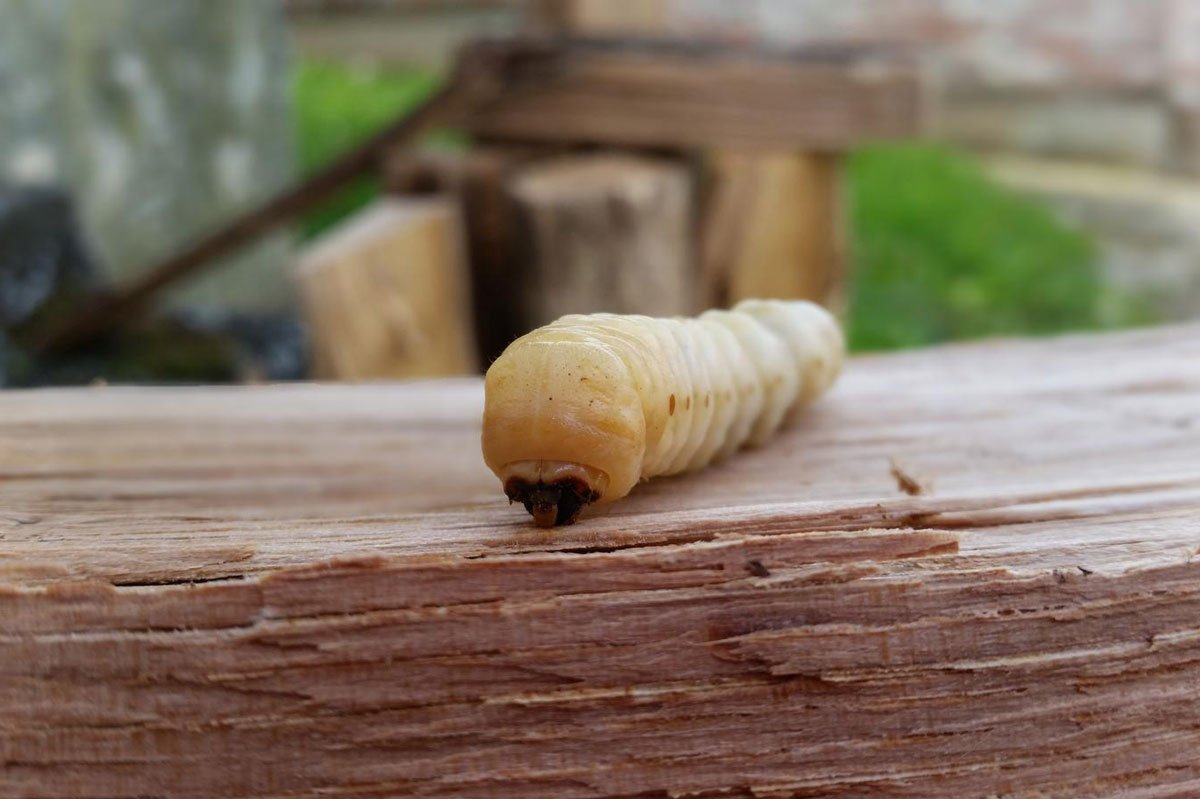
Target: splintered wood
(320, 591)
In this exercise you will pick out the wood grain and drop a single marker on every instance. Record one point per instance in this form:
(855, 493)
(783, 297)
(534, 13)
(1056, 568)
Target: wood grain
(320, 591)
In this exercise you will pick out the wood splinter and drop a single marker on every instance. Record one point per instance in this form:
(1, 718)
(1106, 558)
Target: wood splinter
(581, 410)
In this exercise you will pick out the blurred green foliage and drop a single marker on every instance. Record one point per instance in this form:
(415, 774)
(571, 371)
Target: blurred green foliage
(940, 251)
(338, 106)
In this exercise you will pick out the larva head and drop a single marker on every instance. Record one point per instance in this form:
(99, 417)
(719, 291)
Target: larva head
(562, 424)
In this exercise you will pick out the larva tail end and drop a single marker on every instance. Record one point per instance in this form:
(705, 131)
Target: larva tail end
(553, 503)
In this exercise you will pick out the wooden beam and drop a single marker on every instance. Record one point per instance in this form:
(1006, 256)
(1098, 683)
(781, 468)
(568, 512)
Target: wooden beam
(731, 186)
(671, 94)
(386, 294)
(321, 590)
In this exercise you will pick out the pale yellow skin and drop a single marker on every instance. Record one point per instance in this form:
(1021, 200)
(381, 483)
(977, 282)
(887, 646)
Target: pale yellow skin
(612, 400)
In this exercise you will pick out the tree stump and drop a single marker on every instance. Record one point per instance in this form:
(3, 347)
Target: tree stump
(602, 233)
(779, 223)
(386, 294)
(475, 182)
(969, 572)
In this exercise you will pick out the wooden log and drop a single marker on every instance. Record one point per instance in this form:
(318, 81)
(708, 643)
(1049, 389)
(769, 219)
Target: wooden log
(729, 192)
(602, 232)
(386, 294)
(781, 234)
(475, 180)
(319, 590)
(680, 95)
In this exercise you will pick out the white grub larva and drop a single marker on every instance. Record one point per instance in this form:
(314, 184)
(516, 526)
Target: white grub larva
(580, 410)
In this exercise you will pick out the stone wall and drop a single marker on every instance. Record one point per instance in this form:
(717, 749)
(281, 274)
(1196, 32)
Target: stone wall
(163, 118)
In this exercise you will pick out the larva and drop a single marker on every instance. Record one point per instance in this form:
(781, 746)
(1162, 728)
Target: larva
(580, 410)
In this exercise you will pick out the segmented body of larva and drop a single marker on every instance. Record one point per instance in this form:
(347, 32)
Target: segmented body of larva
(582, 409)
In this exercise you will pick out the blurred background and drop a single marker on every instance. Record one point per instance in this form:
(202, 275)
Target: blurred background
(230, 190)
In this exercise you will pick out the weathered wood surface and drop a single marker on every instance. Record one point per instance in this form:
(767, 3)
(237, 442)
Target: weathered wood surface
(376, 621)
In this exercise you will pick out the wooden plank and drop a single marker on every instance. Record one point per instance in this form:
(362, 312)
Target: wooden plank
(601, 232)
(316, 590)
(730, 186)
(674, 95)
(386, 294)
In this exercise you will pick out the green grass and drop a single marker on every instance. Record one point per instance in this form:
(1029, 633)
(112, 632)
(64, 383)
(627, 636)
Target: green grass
(943, 253)
(940, 252)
